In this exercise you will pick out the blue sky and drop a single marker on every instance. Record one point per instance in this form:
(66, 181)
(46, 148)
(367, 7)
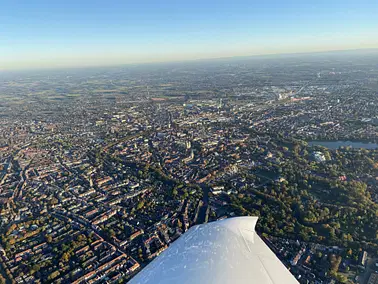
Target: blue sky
(40, 33)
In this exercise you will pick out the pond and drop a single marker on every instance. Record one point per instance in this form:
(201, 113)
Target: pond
(338, 144)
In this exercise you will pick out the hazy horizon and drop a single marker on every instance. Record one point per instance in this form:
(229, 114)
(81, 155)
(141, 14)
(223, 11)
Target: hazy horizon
(271, 56)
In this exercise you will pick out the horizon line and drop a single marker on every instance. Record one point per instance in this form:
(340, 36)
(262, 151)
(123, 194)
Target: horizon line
(47, 68)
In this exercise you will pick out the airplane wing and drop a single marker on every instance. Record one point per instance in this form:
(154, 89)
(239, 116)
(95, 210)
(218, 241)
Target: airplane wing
(223, 252)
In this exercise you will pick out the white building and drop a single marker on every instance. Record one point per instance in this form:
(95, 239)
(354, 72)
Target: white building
(319, 157)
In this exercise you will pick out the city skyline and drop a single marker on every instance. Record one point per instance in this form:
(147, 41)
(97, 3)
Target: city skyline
(50, 35)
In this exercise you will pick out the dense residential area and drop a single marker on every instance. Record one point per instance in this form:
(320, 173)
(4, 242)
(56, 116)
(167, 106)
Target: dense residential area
(101, 170)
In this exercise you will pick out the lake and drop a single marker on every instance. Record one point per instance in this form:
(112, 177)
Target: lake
(338, 144)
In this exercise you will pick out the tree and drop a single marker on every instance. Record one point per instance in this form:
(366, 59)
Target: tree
(48, 239)
(327, 156)
(65, 257)
(179, 224)
(335, 263)
(174, 192)
(140, 253)
(140, 205)
(53, 201)
(341, 278)
(81, 238)
(53, 275)
(35, 268)
(112, 233)
(186, 194)
(11, 229)
(349, 252)
(12, 241)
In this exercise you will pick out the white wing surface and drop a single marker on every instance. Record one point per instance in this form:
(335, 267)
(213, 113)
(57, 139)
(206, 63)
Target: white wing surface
(222, 252)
